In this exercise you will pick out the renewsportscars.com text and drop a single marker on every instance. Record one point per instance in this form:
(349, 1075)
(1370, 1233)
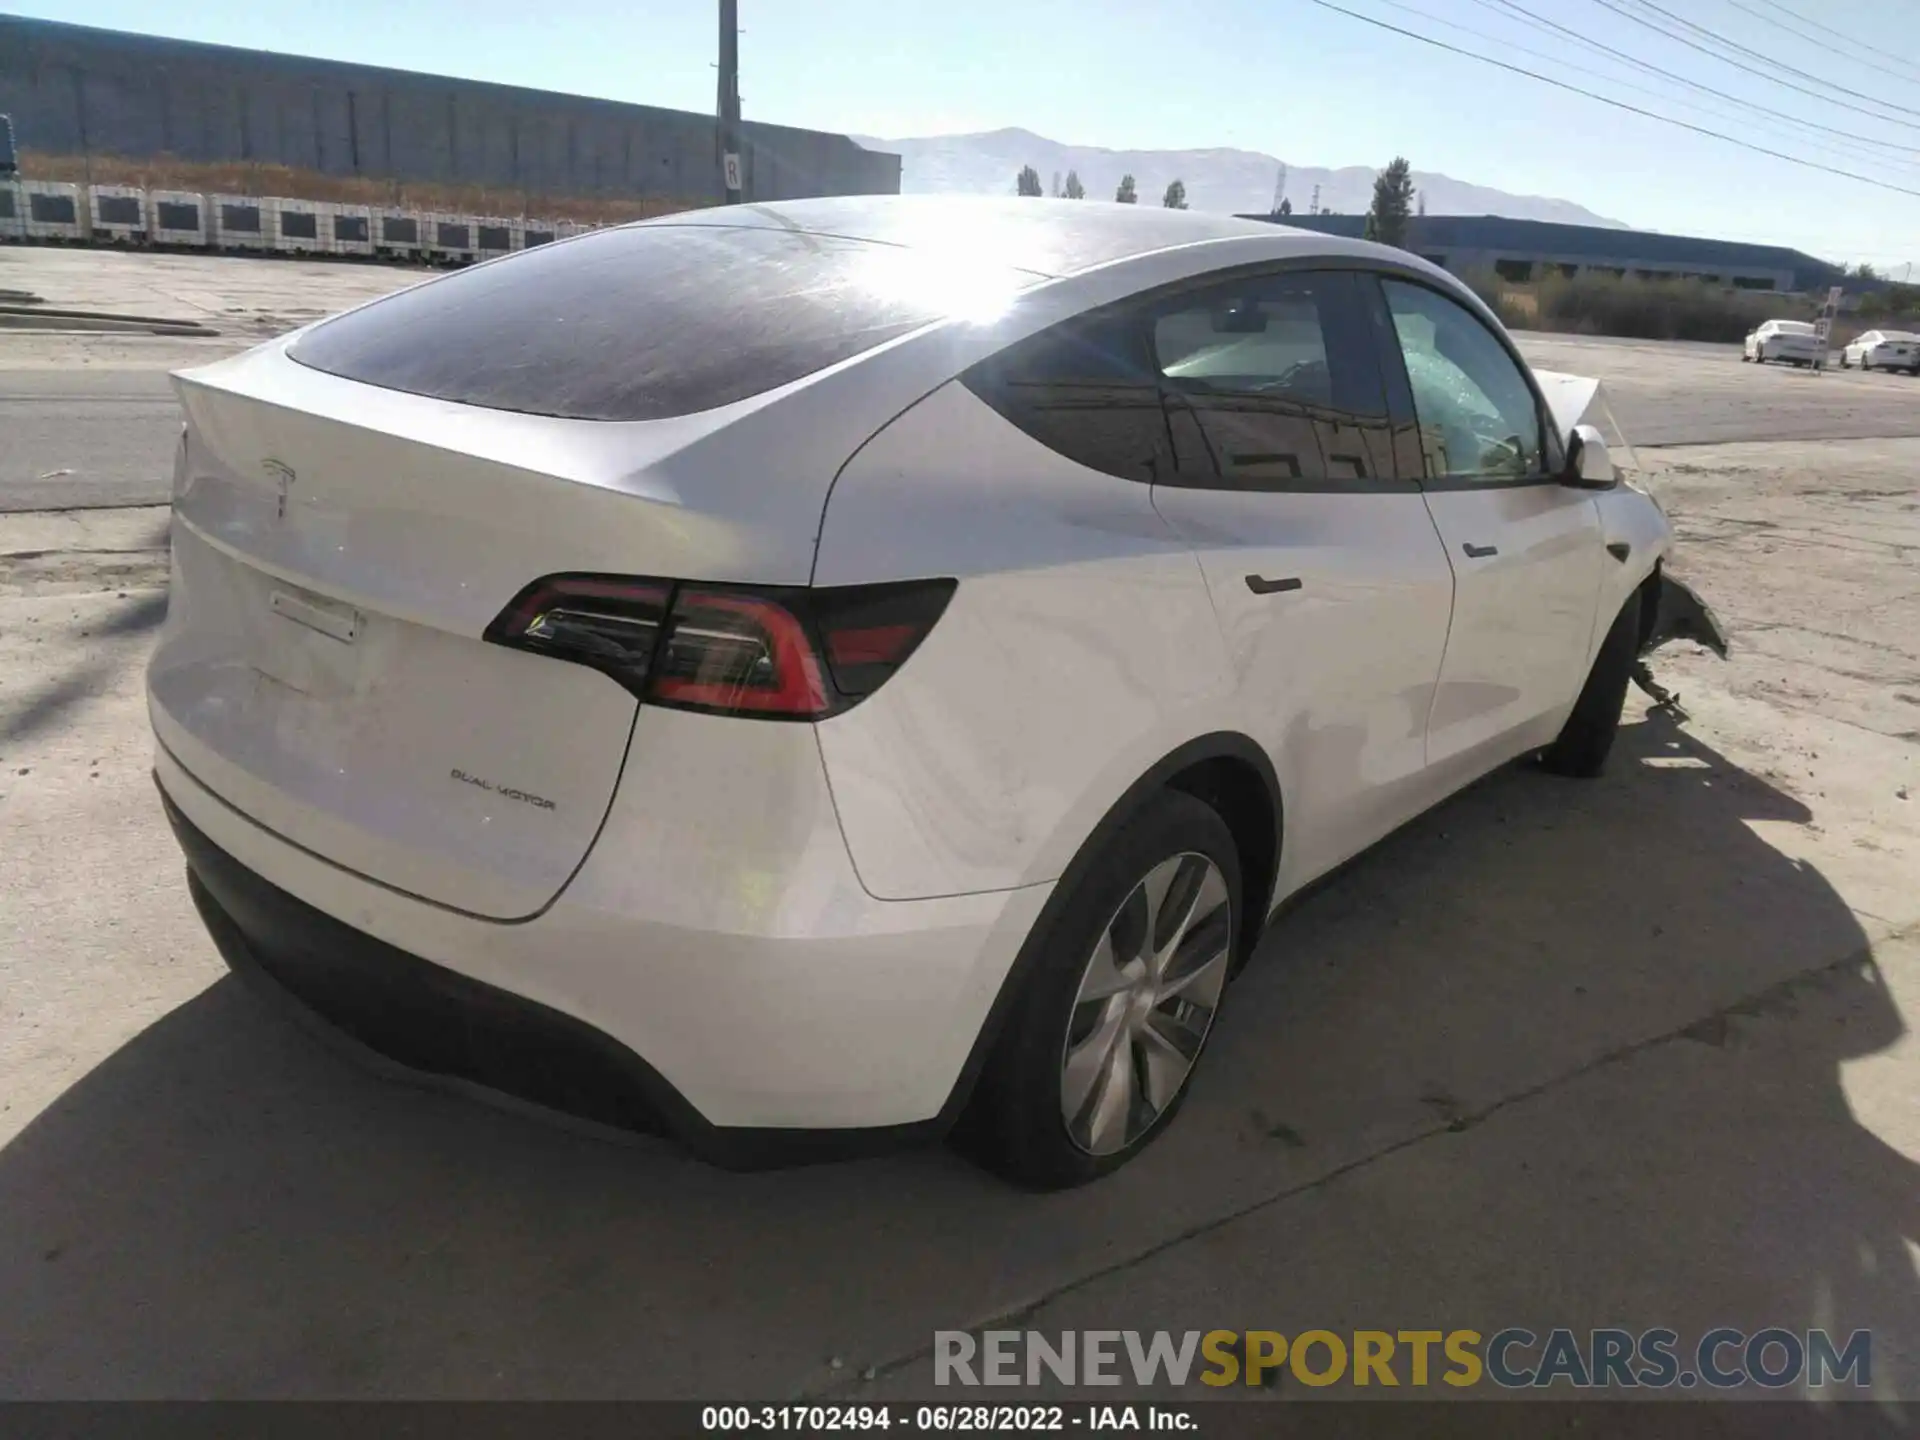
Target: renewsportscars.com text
(1513, 1358)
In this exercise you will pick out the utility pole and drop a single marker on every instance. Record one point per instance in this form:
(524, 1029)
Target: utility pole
(731, 178)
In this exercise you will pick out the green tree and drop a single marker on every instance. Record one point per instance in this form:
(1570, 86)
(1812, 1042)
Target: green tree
(1028, 183)
(1864, 271)
(1286, 206)
(1075, 190)
(1392, 203)
(1176, 196)
(1126, 194)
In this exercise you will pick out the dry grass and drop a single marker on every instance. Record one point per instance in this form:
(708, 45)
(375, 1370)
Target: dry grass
(243, 178)
(1594, 304)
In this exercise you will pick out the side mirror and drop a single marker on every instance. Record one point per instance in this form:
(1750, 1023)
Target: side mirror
(1589, 466)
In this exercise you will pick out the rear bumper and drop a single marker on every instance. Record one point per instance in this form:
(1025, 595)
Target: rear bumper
(751, 1049)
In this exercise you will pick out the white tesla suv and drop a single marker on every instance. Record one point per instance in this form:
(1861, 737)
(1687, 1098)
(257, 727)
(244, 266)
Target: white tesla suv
(805, 675)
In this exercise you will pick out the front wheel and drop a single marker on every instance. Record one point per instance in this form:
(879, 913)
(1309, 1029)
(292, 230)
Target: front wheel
(1118, 1000)
(1581, 748)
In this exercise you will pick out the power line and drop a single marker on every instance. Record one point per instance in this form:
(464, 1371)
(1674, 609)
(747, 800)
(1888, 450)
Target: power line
(1662, 30)
(1717, 38)
(1770, 113)
(1909, 76)
(1543, 24)
(1826, 29)
(1618, 104)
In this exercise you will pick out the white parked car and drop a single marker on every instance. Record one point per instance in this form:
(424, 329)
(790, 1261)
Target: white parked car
(1794, 341)
(1884, 350)
(804, 675)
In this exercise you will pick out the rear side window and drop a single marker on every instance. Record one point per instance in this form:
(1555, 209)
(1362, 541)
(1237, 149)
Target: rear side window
(1085, 389)
(641, 323)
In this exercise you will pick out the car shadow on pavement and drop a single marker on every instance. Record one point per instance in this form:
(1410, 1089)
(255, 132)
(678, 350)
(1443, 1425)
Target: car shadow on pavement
(1556, 1054)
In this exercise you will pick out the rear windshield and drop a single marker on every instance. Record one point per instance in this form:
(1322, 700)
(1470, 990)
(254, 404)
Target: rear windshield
(1793, 327)
(633, 324)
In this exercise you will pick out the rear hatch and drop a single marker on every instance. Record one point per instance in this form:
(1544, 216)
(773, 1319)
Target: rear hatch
(352, 509)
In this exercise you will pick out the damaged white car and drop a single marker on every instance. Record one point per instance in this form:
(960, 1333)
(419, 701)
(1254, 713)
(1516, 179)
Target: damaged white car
(814, 675)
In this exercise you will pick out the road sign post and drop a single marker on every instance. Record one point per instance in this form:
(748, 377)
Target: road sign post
(1823, 328)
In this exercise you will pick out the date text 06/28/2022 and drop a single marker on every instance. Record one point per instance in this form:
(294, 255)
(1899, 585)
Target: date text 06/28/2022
(944, 1419)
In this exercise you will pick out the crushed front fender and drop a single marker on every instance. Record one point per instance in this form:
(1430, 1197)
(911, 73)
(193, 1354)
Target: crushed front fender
(1679, 614)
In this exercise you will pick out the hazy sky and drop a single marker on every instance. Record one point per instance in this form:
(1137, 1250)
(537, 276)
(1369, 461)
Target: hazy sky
(1282, 76)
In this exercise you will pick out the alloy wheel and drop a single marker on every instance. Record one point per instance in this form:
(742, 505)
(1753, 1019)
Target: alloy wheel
(1146, 1002)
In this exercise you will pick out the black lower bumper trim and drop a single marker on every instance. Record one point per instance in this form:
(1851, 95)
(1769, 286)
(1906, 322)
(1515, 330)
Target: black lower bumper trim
(437, 1023)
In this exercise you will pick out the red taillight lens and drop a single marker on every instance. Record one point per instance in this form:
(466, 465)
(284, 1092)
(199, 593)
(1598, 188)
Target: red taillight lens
(791, 654)
(870, 630)
(739, 653)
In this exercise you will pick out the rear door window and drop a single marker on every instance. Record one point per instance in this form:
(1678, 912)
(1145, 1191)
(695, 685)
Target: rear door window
(1273, 383)
(638, 323)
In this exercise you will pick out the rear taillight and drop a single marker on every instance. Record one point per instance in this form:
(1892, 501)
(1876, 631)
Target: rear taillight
(783, 654)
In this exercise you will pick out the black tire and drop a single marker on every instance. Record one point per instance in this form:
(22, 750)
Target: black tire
(1582, 745)
(1014, 1124)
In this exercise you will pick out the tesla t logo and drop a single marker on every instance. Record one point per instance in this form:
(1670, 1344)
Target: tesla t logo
(281, 474)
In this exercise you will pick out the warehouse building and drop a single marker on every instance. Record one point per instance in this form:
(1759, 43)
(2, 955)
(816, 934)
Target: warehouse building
(1522, 250)
(73, 90)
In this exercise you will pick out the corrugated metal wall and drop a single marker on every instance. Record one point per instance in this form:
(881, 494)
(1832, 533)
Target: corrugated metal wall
(74, 90)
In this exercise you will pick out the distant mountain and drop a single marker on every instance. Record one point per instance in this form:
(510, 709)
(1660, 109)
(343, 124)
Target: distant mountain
(1222, 180)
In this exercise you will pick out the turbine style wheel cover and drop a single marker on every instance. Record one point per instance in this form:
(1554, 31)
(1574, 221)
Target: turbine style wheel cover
(1146, 1001)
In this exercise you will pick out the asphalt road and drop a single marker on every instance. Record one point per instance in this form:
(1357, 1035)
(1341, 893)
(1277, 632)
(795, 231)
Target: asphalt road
(101, 437)
(83, 439)
(1692, 394)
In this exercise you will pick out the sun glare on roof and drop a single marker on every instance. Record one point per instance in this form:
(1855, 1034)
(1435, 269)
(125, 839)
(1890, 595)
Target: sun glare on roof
(956, 285)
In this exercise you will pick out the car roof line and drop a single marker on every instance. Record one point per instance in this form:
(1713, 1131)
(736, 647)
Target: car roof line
(787, 225)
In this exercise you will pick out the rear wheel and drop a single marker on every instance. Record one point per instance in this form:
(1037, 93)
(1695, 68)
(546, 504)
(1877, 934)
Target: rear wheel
(1582, 745)
(1116, 1005)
